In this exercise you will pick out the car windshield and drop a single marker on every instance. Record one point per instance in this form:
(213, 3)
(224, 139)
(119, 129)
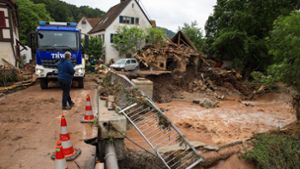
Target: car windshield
(58, 39)
(120, 62)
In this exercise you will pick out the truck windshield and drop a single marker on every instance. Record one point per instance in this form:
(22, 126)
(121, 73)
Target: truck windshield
(58, 39)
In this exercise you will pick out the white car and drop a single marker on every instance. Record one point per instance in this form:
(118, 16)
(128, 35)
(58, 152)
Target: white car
(126, 64)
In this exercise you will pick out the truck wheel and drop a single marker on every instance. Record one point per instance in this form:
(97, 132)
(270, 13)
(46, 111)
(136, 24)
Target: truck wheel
(80, 83)
(43, 83)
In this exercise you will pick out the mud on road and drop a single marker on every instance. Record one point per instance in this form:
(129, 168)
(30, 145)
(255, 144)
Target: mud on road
(29, 122)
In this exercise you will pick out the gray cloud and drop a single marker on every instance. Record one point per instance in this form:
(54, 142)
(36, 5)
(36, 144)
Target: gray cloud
(167, 13)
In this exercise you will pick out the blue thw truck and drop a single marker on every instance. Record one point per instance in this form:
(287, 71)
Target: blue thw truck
(53, 39)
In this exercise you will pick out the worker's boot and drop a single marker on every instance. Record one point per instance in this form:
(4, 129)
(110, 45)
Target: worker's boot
(66, 107)
(72, 104)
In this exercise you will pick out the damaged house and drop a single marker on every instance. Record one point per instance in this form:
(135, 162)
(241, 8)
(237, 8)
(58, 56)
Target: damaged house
(176, 55)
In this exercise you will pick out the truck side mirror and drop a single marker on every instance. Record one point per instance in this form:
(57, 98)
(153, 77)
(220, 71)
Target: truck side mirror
(86, 42)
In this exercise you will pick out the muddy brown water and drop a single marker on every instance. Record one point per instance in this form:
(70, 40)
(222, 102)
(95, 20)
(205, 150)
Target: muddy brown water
(234, 120)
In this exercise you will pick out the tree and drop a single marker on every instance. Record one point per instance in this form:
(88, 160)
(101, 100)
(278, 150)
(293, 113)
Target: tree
(128, 40)
(238, 28)
(155, 36)
(62, 12)
(30, 14)
(283, 45)
(194, 33)
(95, 48)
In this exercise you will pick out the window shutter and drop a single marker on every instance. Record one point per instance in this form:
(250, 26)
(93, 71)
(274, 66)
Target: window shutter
(2, 20)
(121, 19)
(111, 38)
(132, 20)
(137, 21)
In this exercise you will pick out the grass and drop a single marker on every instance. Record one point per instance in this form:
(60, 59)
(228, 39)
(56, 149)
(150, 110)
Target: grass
(275, 151)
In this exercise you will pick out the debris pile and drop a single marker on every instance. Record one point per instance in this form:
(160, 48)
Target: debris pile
(101, 69)
(190, 72)
(211, 78)
(170, 56)
(12, 78)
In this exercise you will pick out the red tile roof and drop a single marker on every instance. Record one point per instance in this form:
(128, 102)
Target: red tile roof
(93, 21)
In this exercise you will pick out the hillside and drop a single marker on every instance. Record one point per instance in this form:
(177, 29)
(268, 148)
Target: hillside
(168, 32)
(62, 11)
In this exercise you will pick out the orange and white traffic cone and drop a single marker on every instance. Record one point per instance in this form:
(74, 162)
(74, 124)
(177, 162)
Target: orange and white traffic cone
(60, 161)
(69, 152)
(88, 116)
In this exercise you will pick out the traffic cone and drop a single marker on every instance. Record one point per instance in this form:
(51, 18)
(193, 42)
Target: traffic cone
(88, 116)
(69, 152)
(60, 161)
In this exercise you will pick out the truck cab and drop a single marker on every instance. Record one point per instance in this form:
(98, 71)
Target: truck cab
(53, 39)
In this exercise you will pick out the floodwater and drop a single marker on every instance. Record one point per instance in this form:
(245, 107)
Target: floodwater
(233, 120)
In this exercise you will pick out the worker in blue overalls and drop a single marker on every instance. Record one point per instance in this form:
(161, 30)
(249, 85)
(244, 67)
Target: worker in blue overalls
(65, 75)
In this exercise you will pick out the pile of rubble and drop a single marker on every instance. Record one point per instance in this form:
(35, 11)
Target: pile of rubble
(101, 69)
(196, 71)
(12, 78)
(170, 56)
(210, 78)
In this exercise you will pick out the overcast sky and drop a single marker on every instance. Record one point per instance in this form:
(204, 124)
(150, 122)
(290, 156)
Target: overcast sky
(167, 13)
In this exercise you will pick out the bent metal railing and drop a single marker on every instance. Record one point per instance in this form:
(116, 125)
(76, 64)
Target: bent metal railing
(164, 138)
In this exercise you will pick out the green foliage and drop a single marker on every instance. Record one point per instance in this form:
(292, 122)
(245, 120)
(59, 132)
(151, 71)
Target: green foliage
(194, 33)
(237, 31)
(30, 14)
(275, 151)
(155, 36)
(62, 12)
(283, 45)
(261, 78)
(128, 40)
(95, 48)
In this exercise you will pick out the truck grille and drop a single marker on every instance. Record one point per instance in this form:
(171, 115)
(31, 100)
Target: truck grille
(52, 63)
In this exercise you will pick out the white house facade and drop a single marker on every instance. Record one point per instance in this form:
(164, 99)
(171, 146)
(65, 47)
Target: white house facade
(9, 35)
(126, 13)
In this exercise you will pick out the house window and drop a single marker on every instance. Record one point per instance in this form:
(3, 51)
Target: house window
(112, 38)
(127, 20)
(132, 5)
(2, 20)
(83, 22)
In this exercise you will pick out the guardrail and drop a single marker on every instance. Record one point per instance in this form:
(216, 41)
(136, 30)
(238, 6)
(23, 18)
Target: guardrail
(164, 138)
